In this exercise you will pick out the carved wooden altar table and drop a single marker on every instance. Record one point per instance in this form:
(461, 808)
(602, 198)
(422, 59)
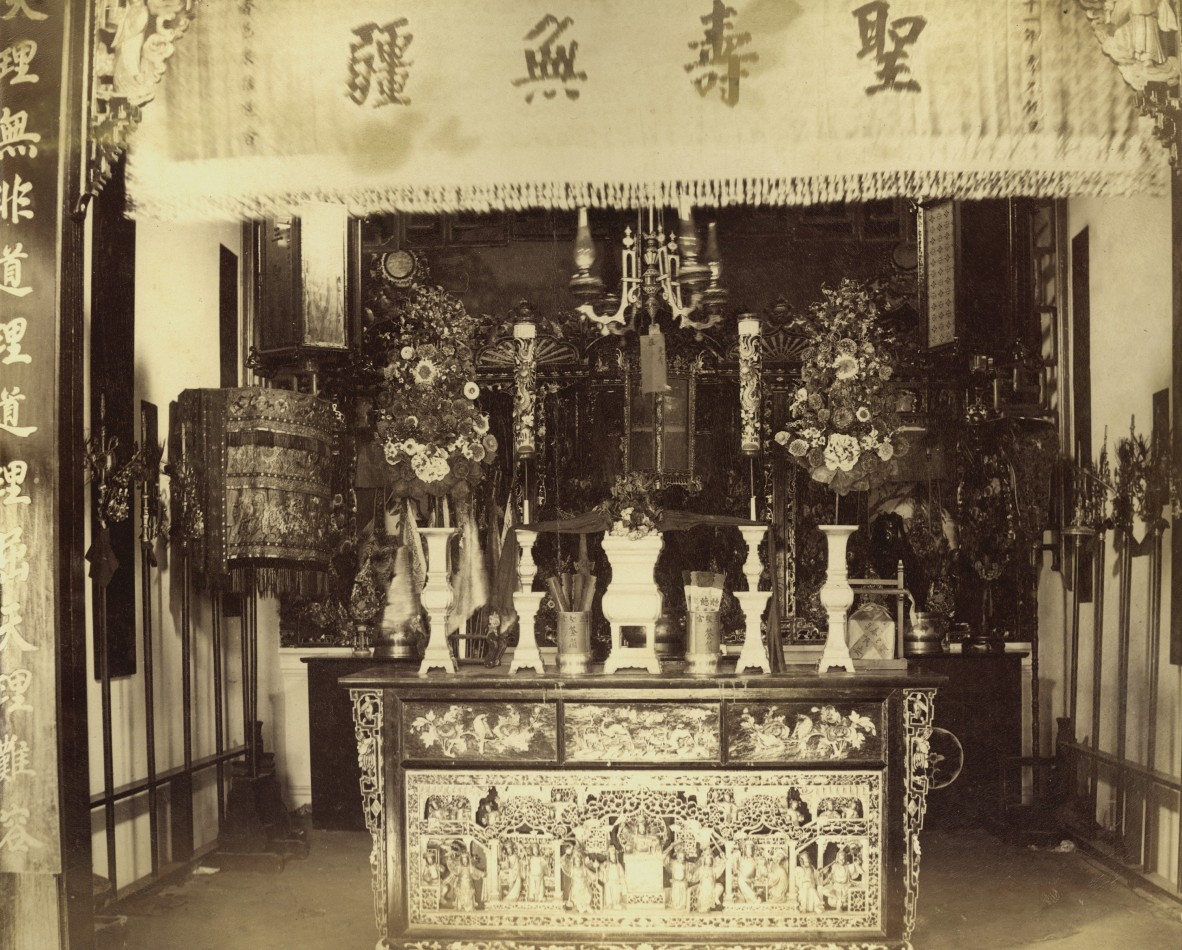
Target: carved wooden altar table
(773, 811)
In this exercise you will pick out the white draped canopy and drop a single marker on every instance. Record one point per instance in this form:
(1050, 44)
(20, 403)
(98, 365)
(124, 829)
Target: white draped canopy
(441, 105)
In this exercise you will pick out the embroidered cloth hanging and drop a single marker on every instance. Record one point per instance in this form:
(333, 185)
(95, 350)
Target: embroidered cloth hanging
(257, 463)
(444, 105)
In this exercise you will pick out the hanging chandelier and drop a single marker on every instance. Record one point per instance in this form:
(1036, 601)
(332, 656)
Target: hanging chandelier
(659, 271)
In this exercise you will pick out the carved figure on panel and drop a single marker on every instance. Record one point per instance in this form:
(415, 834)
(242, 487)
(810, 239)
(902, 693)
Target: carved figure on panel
(675, 865)
(706, 879)
(536, 870)
(611, 875)
(466, 877)
(779, 881)
(806, 883)
(798, 811)
(565, 857)
(838, 877)
(745, 870)
(580, 880)
(509, 869)
(487, 811)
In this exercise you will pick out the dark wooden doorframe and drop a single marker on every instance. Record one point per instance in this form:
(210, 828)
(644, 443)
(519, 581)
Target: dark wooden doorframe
(73, 728)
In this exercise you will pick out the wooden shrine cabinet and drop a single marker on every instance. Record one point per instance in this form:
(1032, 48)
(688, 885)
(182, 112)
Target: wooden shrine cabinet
(775, 811)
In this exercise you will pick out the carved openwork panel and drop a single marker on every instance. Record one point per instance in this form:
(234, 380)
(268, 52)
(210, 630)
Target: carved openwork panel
(693, 853)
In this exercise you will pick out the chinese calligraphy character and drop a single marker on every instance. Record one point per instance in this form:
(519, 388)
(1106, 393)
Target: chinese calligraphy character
(10, 412)
(12, 479)
(10, 270)
(874, 32)
(15, 837)
(378, 52)
(11, 334)
(15, 61)
(15, 200)
(14, 140)
(10, 622)
(22, 6)
(719, 63)
(13, 565)
(13, 687)
(551, 61)
(15, 758)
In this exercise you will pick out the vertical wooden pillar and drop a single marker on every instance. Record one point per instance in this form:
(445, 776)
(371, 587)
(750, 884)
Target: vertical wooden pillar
(1176, 416)
(45, 881)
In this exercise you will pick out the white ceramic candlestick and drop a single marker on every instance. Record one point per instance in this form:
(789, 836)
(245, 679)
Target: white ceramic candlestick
(753, 601)
(437, 599)
(837, 596)
(526, 655)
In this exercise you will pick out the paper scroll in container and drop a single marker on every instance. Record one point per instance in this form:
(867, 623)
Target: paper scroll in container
(703, 602)
(574, 641)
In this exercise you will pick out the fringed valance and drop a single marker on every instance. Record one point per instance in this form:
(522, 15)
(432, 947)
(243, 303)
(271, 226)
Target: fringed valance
(446, 105)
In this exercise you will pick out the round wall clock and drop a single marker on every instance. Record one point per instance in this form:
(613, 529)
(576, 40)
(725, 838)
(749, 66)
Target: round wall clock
(400, 267)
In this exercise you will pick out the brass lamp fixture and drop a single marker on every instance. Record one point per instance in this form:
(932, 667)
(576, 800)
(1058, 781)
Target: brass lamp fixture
(664, 272)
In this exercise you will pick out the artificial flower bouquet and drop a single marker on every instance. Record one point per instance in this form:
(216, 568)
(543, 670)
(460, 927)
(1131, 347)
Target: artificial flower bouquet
(432, 432)
(632, 507)
(844, 429)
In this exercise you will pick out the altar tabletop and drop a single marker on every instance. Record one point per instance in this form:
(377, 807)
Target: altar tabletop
(665, 685)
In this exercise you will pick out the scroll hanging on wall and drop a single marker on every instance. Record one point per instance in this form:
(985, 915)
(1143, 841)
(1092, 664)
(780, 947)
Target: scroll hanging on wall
(427, 106)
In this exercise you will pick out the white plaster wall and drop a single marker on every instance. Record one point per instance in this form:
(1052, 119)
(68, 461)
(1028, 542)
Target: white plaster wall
(1131, 358)
(176, 348)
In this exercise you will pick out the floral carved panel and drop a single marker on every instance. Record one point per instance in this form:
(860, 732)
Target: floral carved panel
(523, 732)
(641, 732)
(803, 732)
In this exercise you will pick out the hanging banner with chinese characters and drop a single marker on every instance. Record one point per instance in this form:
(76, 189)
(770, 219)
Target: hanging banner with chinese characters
(433, 105)
(32, 38)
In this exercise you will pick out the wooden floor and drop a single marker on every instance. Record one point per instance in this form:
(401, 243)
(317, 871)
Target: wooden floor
(976, 893)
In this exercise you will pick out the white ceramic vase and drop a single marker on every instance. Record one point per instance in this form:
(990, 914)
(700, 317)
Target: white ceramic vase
(632, 599)
(837, 596)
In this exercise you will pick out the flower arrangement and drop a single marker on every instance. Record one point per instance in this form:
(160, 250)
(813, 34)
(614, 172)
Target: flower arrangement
(632, 507)
(1146, 484)
(844, 428)
(930, 532)
(430, 428)
(987, 512)
(114, 478)
(1090, 491)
